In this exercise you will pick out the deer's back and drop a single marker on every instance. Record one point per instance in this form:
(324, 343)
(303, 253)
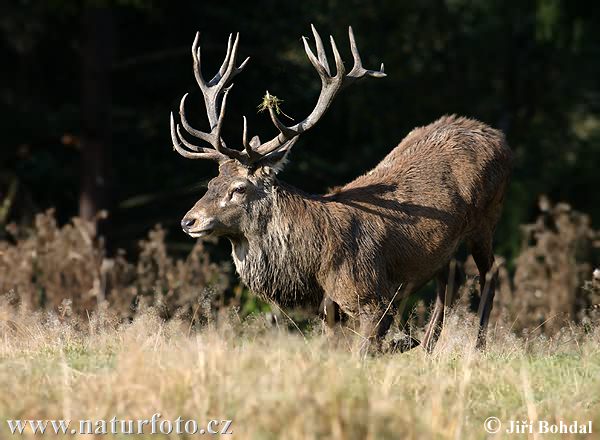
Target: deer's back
(429, 193)
(454, 164)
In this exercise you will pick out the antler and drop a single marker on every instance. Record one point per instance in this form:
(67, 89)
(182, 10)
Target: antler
(330, 86)
(215, 98)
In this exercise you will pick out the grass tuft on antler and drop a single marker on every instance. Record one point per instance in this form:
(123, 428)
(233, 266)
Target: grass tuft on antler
(272, 102)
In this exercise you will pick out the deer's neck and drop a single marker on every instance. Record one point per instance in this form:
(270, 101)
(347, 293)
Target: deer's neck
(279, 257)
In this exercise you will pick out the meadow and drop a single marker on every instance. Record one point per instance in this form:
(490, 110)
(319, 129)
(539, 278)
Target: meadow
(88, 337)
(275, 383)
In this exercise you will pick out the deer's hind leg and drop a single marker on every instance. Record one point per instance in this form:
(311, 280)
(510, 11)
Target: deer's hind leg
(444, 297)
(431, 334)
(481, 249)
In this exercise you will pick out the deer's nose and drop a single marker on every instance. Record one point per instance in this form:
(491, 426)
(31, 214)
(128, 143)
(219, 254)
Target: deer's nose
(187, 223)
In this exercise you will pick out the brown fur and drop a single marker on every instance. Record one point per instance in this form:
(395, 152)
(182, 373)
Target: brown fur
(397, 225)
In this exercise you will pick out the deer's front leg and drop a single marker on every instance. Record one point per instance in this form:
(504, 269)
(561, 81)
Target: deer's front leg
(374, 324)
(329, 309)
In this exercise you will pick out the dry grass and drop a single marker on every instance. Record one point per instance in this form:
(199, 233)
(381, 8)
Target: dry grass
(68, 349)
(278, 384)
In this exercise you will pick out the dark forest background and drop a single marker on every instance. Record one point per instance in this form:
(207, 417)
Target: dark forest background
(87, 87)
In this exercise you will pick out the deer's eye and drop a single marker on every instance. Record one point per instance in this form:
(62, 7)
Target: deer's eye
(239, 190)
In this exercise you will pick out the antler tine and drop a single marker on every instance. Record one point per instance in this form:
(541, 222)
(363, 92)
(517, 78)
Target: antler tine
(252, 155)
(245, 135)
(225, 63)
(339, 64)
(191, 130)
(216, 133)
(314, 61)
(353, 48)
(358, 71)
(196, 58)
(285, 131)
(223, 75)
(189, 145)
(320, 50)
(241, 66)
(199, 153)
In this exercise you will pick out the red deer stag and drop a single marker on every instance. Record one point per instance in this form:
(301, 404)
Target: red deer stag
(397, 225)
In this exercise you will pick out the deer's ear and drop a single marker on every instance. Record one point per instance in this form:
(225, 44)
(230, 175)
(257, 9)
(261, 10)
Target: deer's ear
(274, 162)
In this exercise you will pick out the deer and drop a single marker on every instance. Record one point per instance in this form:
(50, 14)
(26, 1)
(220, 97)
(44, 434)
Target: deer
(368, 244)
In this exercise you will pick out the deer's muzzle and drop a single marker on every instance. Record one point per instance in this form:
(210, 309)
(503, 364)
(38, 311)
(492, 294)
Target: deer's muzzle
(197, 228)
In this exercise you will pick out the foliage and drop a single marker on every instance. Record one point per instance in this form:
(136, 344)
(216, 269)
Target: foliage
(551, 286)
(66, 269)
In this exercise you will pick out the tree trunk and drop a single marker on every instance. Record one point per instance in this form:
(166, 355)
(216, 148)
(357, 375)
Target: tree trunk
(98, 35)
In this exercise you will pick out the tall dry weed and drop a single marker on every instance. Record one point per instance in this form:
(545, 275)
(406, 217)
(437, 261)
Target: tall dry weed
(551, 285)
(66, 269)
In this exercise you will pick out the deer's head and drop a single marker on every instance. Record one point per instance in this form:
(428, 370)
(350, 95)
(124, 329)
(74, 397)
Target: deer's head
(246, 174)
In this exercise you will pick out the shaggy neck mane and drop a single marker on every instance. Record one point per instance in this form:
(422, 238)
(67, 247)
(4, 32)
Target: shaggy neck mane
(268, 259)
